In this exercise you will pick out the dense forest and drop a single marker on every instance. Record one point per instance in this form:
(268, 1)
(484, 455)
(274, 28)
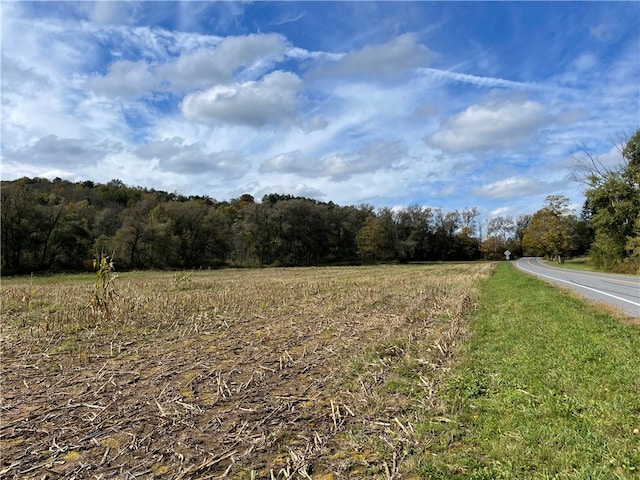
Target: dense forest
(63, 226)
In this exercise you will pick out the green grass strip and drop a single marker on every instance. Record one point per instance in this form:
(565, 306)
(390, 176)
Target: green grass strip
(582, 264)
(548, 387)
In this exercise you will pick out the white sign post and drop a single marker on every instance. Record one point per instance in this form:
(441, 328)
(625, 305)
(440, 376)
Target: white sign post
(507, 254)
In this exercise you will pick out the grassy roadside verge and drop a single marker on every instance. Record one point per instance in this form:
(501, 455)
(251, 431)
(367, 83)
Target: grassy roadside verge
(547, 387)
(584, 264)
(581, 264)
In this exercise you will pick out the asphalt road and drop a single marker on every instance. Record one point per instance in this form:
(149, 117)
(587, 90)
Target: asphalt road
(620, 291)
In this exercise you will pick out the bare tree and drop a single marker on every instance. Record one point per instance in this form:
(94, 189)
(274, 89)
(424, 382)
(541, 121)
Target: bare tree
(588, 169)
(501, 227)
(468, 217)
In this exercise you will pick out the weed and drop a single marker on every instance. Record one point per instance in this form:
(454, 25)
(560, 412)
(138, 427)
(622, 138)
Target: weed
(105, 292)
(27, 300)
(182, 280)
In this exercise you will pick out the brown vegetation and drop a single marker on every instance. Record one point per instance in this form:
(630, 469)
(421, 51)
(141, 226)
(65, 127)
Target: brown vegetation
(276, 373)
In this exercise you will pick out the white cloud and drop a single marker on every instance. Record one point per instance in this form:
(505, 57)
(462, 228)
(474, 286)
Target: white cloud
(17, 77)
(605, 32)
(287, 18)
(340, 166)
(124, 79)
(42, 88)
(512, 187)
(206, 67)
(498, 123)
(109, 12)
(386, 61)
(63, 153)
(501, 212)
(151, 44)
(203, 66)
(296, 189)
(427, 109)
(290, 162)
(585, 62)
(127, 166)
(174, 155)
(255, 103)
(570, 116)
(317, 122)
(613, 158)
(477, 80)
(185, 105)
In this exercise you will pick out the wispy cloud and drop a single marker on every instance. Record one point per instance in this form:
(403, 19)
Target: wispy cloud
(478, 80)
(287, 18)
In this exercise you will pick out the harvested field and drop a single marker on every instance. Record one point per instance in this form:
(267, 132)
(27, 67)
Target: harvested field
(274, 373)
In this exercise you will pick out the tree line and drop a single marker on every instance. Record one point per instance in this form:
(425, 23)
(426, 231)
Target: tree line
(58, 225)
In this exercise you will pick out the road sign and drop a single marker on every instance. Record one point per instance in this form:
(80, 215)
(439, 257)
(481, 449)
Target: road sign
(507, 254)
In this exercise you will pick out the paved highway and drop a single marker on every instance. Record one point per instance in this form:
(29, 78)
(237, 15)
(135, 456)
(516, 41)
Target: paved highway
(621, 291)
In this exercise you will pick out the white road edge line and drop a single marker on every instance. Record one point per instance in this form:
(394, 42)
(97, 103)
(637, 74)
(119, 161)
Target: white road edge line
(581, 286)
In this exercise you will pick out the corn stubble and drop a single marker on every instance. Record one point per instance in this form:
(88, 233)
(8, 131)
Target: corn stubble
(276, 373)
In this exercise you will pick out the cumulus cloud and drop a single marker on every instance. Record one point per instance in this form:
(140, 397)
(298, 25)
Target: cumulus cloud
(198, 67)
(175, 155)
(386, 61)
(498, 123)
(254, 103)
(124, 79)
(210, 66)
(293, 162)
(340, 166)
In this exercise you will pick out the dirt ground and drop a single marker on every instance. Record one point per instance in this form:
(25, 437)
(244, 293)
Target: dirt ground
(287, 373)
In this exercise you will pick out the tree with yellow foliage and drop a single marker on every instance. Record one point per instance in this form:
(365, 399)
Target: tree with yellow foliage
(550, 232)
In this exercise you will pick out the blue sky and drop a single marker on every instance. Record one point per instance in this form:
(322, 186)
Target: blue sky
(443, 104)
